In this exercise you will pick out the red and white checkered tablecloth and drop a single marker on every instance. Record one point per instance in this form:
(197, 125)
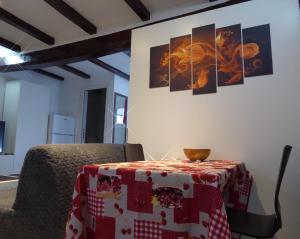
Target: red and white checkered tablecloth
(164, 199)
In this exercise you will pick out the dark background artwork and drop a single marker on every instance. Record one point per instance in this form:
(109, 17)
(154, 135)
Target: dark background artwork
(229, 55)
(180, 63)
(204, 60)
(211, 57)
(159, 66)
(257, 51)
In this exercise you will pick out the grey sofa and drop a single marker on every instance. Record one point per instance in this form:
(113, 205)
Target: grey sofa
(44, 193)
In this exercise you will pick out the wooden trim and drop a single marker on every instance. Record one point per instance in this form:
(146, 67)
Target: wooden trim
(139, 8)
(25, 27)
(10, 45)
(48, 74)
(75, 71)
(74, 16)
(110, 68)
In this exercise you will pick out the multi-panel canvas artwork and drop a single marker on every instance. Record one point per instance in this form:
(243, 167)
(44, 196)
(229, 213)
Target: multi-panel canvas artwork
(257, 51)
(211, 57)
(229, 55)
(180, 63)
(204, 60)
(159, 66)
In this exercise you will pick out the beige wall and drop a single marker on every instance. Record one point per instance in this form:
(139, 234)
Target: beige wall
(250, 122)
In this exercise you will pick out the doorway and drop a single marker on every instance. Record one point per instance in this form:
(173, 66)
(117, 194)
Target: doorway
(95, 116)
(120, 119)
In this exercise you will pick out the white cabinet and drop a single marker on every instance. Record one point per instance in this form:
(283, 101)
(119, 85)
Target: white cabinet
(10, 114)
(6, 164)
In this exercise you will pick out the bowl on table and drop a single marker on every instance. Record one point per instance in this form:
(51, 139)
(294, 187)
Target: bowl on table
(197, 154)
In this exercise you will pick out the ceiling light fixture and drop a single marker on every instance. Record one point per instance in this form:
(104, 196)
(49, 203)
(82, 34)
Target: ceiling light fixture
(10, 57)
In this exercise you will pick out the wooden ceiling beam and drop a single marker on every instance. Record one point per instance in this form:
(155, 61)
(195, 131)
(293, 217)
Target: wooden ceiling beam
(74, 16)
(110, 68)
(75, 71)
(139, 8)
(74, 52)
(94, 47)
(10, 45)
(25, 27)
(48, 74)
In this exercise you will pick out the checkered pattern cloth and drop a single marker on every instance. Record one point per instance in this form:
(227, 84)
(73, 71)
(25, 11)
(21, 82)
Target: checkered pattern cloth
(137, 213)
(147, 230)
(219, 227)
(245, 188)
(95, 204)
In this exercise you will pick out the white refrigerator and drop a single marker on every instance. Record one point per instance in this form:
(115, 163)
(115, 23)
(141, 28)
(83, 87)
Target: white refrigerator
(61, 129)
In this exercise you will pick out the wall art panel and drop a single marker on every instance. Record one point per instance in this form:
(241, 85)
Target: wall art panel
(180, 63)
(159, 66)
(257, 51)
(204, 60)
(229, 55)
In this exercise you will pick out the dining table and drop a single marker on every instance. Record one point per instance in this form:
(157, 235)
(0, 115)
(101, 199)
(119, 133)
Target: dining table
(157, 199)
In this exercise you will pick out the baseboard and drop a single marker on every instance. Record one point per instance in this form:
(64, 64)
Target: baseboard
(8, 185)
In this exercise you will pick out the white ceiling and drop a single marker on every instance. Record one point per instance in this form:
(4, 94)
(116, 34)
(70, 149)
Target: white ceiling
(108, 15)
(119, 60)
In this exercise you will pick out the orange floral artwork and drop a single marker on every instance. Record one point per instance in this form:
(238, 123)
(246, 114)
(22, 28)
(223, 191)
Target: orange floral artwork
(180, 63)
(204, 60)
(159, 66)
(211, 57)
(229, 55)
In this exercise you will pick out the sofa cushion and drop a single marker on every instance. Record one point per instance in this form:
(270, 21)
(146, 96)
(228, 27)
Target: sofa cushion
(48, 175)
(46, 183)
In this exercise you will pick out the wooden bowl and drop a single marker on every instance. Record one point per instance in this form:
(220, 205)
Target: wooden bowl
(196, 154)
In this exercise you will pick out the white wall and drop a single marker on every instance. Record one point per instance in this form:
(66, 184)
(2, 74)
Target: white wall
(32, 120)
(250, 122)
(11, 164)
(72, 98)
(121, 86)
(30, 76)
(52, 85)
